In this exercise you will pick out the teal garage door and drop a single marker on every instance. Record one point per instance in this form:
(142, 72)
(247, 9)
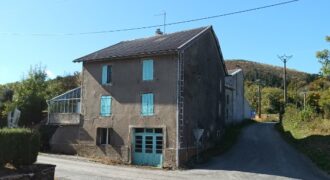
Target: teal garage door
(148, 147)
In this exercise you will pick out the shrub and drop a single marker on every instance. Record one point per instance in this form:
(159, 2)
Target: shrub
(18, 146)
(307, 114)
(291, 118)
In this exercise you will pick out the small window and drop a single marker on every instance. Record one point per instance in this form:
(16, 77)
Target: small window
(106, 74)
(105, 109)
(148, 70)
(103, 136)
(147, 104)
(227, 99)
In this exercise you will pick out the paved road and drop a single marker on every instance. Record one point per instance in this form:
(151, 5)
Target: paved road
(259, 154)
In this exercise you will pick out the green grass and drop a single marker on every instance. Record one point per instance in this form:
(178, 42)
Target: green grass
(310, 137)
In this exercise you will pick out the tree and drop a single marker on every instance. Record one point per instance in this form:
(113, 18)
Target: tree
(324, 58)
(251, 94)
(29, 97)
(313, 99)
(324, 103)
(59, 85)
(272, 100)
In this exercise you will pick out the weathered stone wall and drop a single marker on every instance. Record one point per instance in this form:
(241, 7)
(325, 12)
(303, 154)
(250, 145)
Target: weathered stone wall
(126, 89)
(203, 92)
(64, 118)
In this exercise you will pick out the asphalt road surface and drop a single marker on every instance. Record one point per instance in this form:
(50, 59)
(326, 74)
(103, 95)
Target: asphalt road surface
(260, 153)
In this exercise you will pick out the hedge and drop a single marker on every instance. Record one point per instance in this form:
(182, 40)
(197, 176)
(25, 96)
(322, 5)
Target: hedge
(18, 146)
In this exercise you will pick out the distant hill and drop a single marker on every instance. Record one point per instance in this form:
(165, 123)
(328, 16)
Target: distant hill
(269, 74)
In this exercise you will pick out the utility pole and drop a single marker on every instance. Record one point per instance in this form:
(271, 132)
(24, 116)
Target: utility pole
(259, 97)
(284, 58)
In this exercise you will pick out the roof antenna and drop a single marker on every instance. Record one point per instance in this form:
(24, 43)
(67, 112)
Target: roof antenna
(164, 16)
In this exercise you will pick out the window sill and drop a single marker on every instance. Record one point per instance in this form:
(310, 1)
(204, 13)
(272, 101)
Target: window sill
(143, 115)
(107, 84)
(105, 116)
(103, 145)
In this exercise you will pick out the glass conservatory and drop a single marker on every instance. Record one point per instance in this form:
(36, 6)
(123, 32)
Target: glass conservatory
(65, 108)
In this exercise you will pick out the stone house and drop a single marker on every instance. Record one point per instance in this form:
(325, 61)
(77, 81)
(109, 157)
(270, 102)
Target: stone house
(237, 107)
(141, 100)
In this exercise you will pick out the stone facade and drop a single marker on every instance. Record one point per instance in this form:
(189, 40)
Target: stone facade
(189, 93)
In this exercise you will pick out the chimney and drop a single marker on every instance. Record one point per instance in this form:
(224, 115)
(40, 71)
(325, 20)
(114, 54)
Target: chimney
(158, 32)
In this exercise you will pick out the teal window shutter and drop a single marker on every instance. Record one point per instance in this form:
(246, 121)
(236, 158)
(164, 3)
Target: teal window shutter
(151, 104)
(104, 74)
(144, 107)
(148, 70)
(147, 104)
(105, 109)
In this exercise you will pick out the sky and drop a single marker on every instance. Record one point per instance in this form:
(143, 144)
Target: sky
(297, 29)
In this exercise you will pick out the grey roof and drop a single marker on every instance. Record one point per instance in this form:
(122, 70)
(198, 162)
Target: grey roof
(158, 44)
(71, 94)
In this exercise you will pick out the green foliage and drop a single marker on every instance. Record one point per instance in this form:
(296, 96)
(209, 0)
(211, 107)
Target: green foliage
(271, 76)
(291, 117)
(60, 85)
(309, 133)
(31, 93)
(324, 59)
(272, 100)
(251, 94)
(29, 97)
(313, 99)
(19, 146)
(307, 114)
(324, 103)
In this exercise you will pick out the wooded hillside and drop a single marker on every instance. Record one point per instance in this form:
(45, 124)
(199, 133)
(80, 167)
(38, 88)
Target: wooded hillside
(270, 75)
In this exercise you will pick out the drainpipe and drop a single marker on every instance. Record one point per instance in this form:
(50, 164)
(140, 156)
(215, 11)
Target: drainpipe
(177, 108)
(177, 111)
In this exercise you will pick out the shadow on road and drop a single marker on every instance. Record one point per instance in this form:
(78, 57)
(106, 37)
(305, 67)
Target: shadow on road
(261, 150)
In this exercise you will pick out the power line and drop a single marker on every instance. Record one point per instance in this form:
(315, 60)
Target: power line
(153, 26)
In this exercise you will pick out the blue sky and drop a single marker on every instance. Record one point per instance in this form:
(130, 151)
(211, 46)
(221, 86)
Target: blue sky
(298, 29)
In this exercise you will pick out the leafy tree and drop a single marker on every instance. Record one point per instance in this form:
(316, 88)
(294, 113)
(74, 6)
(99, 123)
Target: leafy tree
(319, 84)
(251, 94)
(324, 58)
(272, 100)
(29, 97)
(59, 85)
(313, 99)
(324, 103)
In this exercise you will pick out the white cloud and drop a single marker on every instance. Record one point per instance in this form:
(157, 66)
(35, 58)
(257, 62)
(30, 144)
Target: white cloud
(50, 74)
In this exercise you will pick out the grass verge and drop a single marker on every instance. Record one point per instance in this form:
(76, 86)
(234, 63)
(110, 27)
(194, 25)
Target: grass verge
(316, 147)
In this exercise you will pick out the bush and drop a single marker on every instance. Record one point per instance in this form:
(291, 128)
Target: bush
(291, 118)
(19, 146)
(307, 114)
